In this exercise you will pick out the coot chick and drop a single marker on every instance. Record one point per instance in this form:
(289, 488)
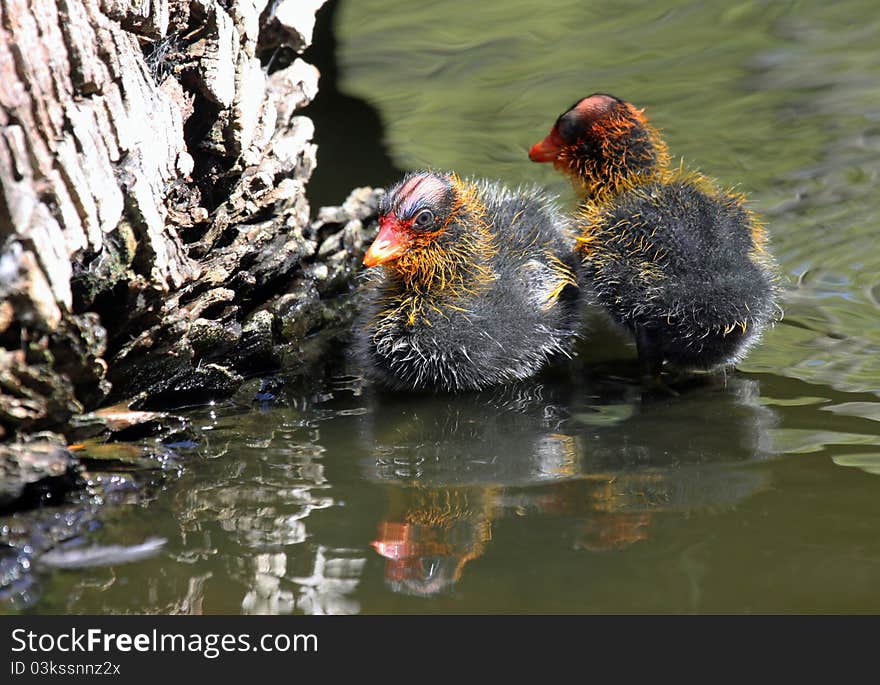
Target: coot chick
(477, 285)
(680, 262)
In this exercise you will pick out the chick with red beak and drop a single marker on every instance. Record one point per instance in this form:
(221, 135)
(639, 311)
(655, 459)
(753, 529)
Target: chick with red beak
(679, 261)
(474, 286)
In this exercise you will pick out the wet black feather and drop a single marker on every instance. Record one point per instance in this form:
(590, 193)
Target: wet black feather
(680, 264)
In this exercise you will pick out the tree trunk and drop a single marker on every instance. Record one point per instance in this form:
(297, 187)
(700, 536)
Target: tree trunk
(154, 230)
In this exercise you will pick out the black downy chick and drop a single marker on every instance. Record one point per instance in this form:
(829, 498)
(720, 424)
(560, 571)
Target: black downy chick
(681, 263)
(477, 285)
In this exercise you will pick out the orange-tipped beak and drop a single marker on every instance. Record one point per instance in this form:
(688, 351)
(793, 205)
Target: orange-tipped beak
(548, 149)
(388, 245)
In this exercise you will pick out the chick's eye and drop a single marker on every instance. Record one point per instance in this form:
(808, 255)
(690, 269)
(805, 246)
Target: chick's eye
(424, 218)
(569, 128)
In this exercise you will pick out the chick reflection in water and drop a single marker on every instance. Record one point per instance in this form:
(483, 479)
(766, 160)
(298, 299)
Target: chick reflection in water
(609, 470)
(697, 454)
(448, 463)
(429, 534)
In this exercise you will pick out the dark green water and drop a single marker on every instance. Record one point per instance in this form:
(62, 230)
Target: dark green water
(575, 493)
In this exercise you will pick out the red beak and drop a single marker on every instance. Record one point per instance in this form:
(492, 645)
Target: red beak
(388, 245)
(548, 149)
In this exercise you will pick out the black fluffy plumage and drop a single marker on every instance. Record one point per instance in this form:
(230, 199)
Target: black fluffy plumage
(478, 285)
(679, 262)
(680, 267)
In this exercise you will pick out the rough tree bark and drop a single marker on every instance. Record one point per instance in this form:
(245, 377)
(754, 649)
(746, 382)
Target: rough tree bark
(154, 231)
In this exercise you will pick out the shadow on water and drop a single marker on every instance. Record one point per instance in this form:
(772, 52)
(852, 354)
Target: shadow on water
(350, 134)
